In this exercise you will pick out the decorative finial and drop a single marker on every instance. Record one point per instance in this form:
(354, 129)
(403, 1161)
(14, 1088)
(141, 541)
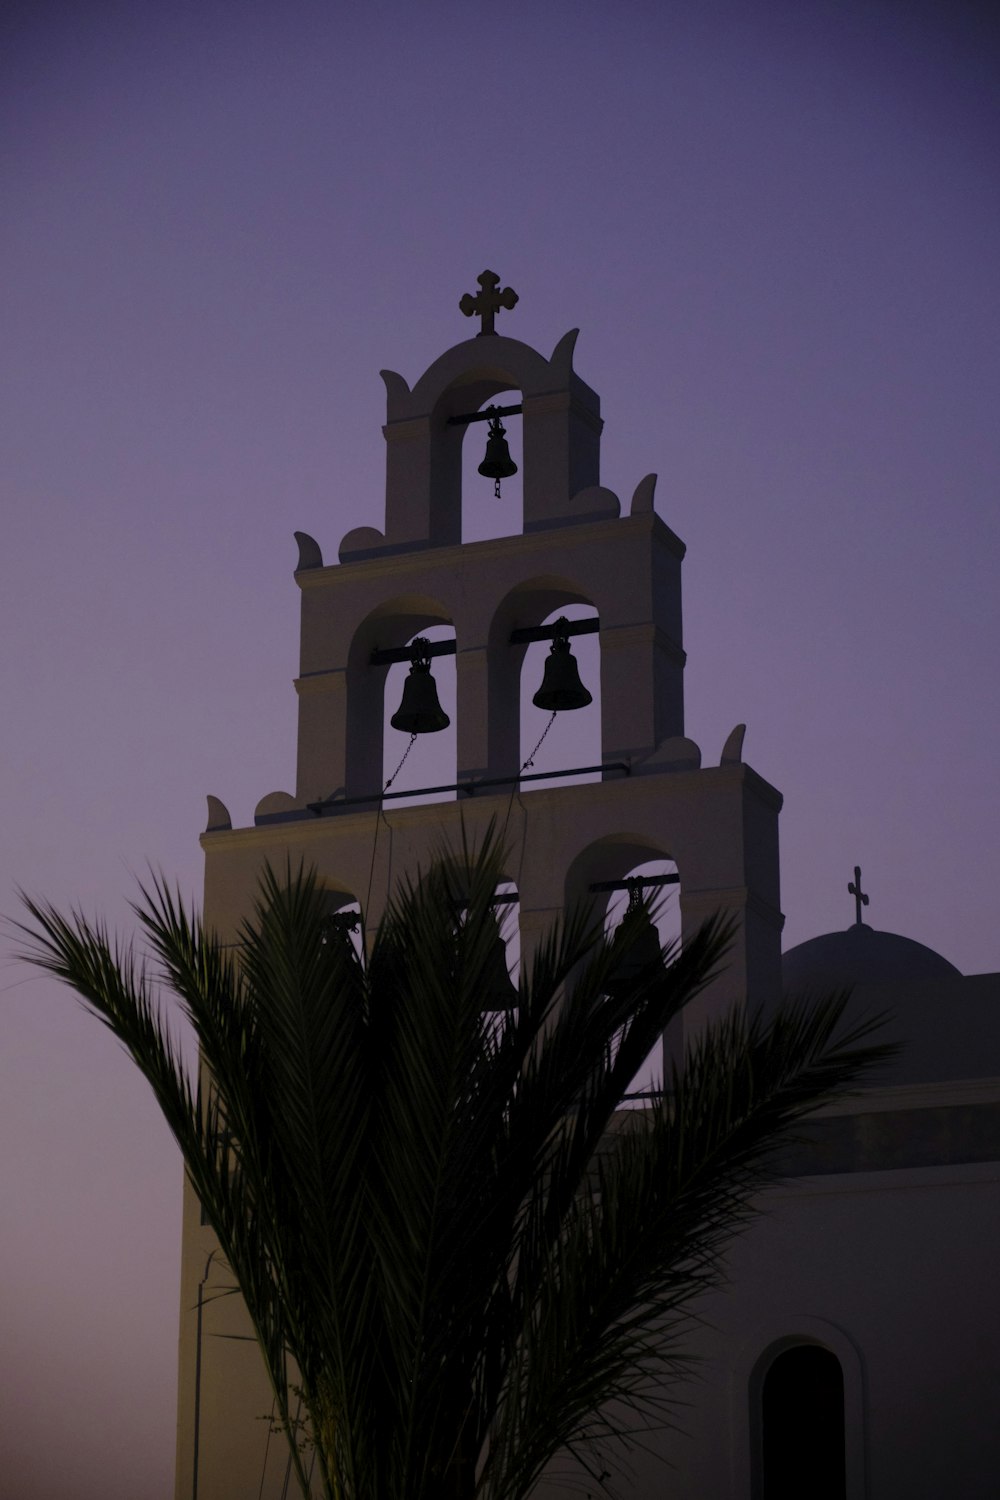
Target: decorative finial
(487, 303)
(860, 899)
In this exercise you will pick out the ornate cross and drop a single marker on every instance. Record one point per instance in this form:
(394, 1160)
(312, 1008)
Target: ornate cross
(860, 899)
(487, 303)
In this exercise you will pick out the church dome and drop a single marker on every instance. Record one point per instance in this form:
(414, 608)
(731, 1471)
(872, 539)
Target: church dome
(861, 955)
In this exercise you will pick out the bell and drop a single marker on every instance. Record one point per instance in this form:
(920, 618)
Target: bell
(498, 463)
(499, 990)
(420, 712)
(642, 953)
(337, 929)
(561, 686)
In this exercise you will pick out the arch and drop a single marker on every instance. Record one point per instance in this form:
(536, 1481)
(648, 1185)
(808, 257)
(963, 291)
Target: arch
(498, 360)
(448, 500)
(394, 622)
(528, 604)
(572, 738)
(615, 857)
(610, 858)
(504, 978)
(763, 1354)
(506, 908)
(344, 914)
(666, 918)
(802, 1425)
(484, 517)
(561, 431)
(432, 759)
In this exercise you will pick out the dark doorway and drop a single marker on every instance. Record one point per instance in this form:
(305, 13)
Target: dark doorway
(802, 1419)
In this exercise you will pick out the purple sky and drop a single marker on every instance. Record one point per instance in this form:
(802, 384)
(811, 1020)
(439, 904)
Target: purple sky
(777, 228)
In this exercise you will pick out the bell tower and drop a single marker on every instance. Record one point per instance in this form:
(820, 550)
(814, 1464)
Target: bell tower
(653, 800)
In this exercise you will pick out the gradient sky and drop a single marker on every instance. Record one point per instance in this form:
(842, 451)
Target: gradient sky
(776, 225)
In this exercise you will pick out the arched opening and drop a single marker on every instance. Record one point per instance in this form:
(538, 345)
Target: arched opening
(801, 1426)
(655, 880)
(605, 874)
(431, 759)
(343, 919)
(569, 738)
(380, 645)
(484, 515)
(519, 641)
(507, 910)
(501, 998)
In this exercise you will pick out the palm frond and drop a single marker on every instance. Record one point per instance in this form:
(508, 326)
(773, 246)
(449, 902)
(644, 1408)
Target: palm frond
(644, 1239)
(441, 1228)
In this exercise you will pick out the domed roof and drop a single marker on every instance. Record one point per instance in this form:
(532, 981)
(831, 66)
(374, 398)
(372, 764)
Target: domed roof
(860, 955)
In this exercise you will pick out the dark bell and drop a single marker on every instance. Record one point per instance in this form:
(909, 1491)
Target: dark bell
(420, 712)
(498, 463)
(561, 686)
(499, 990)
(638, 959)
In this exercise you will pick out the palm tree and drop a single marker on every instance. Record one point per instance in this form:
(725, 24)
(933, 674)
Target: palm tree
(448, 1242)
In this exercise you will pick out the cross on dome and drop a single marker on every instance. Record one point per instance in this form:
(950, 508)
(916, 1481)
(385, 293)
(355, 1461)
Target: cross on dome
(860, 899)
(488, 302)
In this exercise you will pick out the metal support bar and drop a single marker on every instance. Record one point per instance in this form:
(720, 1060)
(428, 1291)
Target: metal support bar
(638, 882)
(612, 765)
(470, 788)
(505, 898)
(549, 632)
(384, 657)
(484, 416)
(380, 658)
(423, 791)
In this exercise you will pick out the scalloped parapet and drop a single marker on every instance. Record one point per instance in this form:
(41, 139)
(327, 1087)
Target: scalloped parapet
(677, 753)
(362, 542)
(396, 390)
(642, 498)
(596, 503)
(732, 750)
(218, 815)
(278, 807)
(310, 554)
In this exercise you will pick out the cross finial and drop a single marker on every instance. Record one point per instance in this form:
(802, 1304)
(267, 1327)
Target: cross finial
(860, 899)
(487, 303)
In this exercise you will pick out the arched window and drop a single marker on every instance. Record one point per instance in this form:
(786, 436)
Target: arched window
(431, 761)
(483, 515)
(605, 874)
(649, 877)
(343, 921)
(503, 980)
(499, 996)
(802, 1447)
(574, 738)
(507, 912)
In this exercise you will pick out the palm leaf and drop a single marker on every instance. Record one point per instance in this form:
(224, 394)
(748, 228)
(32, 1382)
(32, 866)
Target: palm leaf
(442, 1230)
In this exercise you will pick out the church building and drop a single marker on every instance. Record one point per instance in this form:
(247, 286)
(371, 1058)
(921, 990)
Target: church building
(853, 1352)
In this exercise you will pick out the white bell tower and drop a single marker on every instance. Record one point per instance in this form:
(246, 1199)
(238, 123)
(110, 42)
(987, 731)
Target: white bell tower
(654, 798)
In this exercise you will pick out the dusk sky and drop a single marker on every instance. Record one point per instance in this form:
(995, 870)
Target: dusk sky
(777, 227)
